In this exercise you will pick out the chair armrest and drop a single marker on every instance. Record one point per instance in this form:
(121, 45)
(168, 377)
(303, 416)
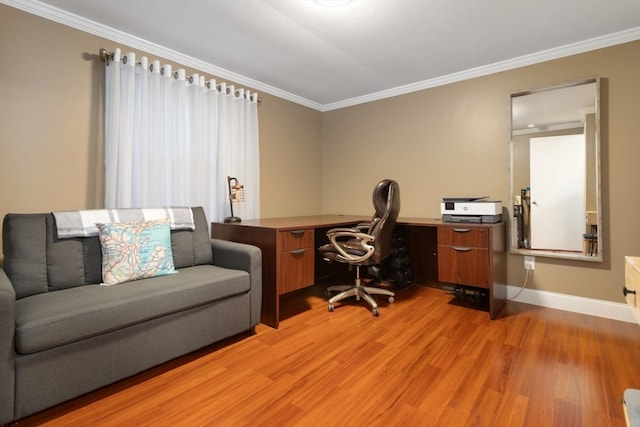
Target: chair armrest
(343, 230)
(364, 239)
(240, 256)
(7, 348)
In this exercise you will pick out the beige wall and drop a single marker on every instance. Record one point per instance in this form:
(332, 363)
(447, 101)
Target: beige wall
(450, 140)
(50, 137)
(290, 153)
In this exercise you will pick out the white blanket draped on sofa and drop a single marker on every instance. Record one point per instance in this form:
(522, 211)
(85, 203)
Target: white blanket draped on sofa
(83, 223)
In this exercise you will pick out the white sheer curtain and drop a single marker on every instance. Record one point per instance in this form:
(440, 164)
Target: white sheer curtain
(172, 139)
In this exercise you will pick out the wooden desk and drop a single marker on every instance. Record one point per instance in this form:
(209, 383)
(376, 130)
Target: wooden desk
(460, 254)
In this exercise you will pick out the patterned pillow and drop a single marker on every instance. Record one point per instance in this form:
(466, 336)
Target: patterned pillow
(135, 250)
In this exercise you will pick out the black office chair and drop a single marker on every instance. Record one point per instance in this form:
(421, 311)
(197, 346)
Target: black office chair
(368, 244)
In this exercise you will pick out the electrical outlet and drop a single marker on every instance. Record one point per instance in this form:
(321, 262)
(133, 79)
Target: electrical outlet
(529, 263)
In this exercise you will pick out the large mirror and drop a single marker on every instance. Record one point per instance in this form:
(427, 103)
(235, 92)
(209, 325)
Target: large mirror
(555, 171)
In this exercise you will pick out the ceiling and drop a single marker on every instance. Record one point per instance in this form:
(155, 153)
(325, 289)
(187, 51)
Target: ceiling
(561, 107)
(331, 57)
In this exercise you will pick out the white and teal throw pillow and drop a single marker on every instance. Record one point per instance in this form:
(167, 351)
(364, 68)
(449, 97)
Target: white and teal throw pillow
(135, 250)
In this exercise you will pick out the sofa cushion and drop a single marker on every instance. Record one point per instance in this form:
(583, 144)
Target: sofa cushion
(71, 262)
(25, 261)
(53, 319)
(192, 247)
(135, 250)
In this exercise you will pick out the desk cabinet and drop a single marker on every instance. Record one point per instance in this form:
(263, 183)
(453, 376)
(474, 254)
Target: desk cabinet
(473, 255)
(463, 256)
(295, 260)
(288, 248)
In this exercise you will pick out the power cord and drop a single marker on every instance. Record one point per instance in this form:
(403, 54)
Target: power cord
(524, 285)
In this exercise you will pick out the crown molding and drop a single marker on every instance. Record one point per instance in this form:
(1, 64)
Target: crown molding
(95, 28)
(629, 35)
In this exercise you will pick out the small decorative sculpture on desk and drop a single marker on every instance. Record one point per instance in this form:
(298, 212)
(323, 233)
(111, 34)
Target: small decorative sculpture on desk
(236, 194)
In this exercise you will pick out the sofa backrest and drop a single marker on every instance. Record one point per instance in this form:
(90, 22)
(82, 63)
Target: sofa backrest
(36, 261)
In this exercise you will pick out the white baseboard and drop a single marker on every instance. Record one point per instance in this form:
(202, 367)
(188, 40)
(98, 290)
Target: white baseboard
(590, 306)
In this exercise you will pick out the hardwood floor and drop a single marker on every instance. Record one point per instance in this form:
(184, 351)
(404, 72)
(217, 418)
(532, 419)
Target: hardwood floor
(425, 361)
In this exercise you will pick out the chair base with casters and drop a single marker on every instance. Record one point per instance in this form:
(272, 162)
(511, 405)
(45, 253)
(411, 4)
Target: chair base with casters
(359, 291)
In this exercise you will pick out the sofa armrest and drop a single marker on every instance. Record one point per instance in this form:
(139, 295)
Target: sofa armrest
(7, 347)
(240, 256)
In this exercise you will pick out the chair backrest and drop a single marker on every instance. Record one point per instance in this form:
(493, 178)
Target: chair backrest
(386, 201)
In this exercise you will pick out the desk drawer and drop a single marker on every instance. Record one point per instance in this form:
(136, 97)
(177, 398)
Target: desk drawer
(295, 269)
(295, 239)
(463, 236)
(632, 284)
(463, 265)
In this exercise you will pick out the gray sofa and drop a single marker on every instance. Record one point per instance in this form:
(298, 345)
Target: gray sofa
(63, 335)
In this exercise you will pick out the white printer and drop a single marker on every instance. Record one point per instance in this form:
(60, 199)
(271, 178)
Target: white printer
(471, 210)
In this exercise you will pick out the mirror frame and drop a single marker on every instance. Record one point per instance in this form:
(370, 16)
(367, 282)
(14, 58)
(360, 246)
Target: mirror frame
(513, 239)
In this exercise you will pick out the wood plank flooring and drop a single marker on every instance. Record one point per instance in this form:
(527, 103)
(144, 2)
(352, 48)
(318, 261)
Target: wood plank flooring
(426, 361)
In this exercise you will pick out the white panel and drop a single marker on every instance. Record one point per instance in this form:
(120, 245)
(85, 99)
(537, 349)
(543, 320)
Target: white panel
(558, 193)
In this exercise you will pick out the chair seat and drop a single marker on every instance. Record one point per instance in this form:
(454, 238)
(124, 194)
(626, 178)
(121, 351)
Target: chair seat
(351, 246)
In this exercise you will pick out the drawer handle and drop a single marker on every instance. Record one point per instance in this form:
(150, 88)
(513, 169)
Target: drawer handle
(627, 291)
(461, 248)
(462, 230)
(298, 251)
(297, 232)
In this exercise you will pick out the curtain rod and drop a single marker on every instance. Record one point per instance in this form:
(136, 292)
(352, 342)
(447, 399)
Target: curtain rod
(108, 57)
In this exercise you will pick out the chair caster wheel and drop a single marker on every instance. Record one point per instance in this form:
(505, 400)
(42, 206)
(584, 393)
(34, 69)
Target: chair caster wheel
(391, 299)
(330, 307)
(376, 313)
